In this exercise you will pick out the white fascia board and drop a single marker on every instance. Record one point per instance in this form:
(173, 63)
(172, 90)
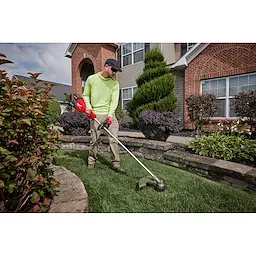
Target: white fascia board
(70, 50)
(189, 55)
(72, 46)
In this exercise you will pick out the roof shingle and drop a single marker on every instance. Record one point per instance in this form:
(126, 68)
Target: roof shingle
(58, 90)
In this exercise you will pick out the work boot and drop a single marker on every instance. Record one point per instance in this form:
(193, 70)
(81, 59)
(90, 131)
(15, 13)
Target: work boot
(91, 165)
(91, 162)
(118, 170)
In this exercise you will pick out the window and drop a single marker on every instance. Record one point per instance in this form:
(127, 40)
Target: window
(132, 53)
(225, 90)
(217, 87)
(126, 95)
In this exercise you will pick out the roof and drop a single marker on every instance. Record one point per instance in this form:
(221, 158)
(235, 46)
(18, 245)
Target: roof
(72, 47)
(189, 56)
(58, 90)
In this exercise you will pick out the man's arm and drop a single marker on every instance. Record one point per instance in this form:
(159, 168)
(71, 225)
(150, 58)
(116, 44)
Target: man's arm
(114, 100)
(87, 93)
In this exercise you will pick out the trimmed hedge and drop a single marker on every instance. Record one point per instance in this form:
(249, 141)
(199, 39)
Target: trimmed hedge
(155, 87)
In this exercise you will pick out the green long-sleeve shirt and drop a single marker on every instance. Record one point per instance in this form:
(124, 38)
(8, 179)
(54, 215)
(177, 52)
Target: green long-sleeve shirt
(101, 94)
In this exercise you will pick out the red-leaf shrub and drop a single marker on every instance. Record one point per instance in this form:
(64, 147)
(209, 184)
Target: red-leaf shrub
(27, 146)
(201, 107)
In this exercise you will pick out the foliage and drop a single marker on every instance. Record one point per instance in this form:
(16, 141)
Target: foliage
(154, 56)
(236, 127)
(151, 73)
(158, 125)
(119, 113)
(245, 107)
(68, 99)
(155, 87)
(53, 111)
(227, 147)
(75, 123)
(201, 107)
(27, 146)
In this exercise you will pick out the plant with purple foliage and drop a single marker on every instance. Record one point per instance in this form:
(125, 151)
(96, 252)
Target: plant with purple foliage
(75, 123)
(158, 125)
(201, 108)
(245, 107)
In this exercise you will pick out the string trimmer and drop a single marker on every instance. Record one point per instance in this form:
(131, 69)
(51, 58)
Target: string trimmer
(79, 104)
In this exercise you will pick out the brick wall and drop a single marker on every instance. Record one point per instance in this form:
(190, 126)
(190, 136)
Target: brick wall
(97, 53)
(218, 60)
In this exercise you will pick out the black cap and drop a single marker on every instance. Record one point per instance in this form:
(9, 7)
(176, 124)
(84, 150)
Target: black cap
(114, 64)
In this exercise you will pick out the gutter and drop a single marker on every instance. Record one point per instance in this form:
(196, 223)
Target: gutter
(189, 56)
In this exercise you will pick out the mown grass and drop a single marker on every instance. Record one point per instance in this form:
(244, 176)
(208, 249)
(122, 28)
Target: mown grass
(186, 192)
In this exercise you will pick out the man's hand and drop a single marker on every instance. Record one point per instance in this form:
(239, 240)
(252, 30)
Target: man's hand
(90, 113)
(106, 123)
(109, 118)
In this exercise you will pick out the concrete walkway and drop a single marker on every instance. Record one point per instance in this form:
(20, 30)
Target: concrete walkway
(71, 195)
(174, 139)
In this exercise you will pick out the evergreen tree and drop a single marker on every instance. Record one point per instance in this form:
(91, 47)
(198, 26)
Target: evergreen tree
(155, 87)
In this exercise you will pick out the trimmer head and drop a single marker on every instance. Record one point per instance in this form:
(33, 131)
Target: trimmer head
(149, 181)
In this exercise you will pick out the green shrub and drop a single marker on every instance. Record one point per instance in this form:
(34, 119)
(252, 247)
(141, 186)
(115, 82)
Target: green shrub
(119, 114)
(154, 90)
(201, 107)
(155, 87)
(159, 106)
(151, 73)
(154, 55)
(154, 64)
(27, 146)
(53, 111)
(68, 99)
(227, 147)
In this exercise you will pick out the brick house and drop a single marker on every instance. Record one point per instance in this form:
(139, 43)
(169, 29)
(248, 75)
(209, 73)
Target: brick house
(224, 69)
(88, 58)
(221, 68)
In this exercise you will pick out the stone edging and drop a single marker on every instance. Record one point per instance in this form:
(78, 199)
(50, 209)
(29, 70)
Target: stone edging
(71, 195)
(235, 174)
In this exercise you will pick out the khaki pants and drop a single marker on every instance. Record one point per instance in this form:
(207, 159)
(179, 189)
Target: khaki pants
(95, 134)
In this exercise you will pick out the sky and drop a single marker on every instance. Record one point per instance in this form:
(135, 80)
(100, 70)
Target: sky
(46, 58)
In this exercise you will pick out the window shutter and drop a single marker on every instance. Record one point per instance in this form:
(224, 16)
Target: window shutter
(147, 47)
(119, 55)
(183, 49)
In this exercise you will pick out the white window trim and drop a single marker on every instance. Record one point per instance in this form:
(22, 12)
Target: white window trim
(122, 99)
(227, 97)
(132, 53)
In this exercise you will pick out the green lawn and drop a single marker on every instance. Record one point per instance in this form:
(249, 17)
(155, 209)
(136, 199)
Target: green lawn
(186, 192)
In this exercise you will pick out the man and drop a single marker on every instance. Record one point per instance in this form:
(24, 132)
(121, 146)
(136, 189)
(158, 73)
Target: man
(101, 95)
